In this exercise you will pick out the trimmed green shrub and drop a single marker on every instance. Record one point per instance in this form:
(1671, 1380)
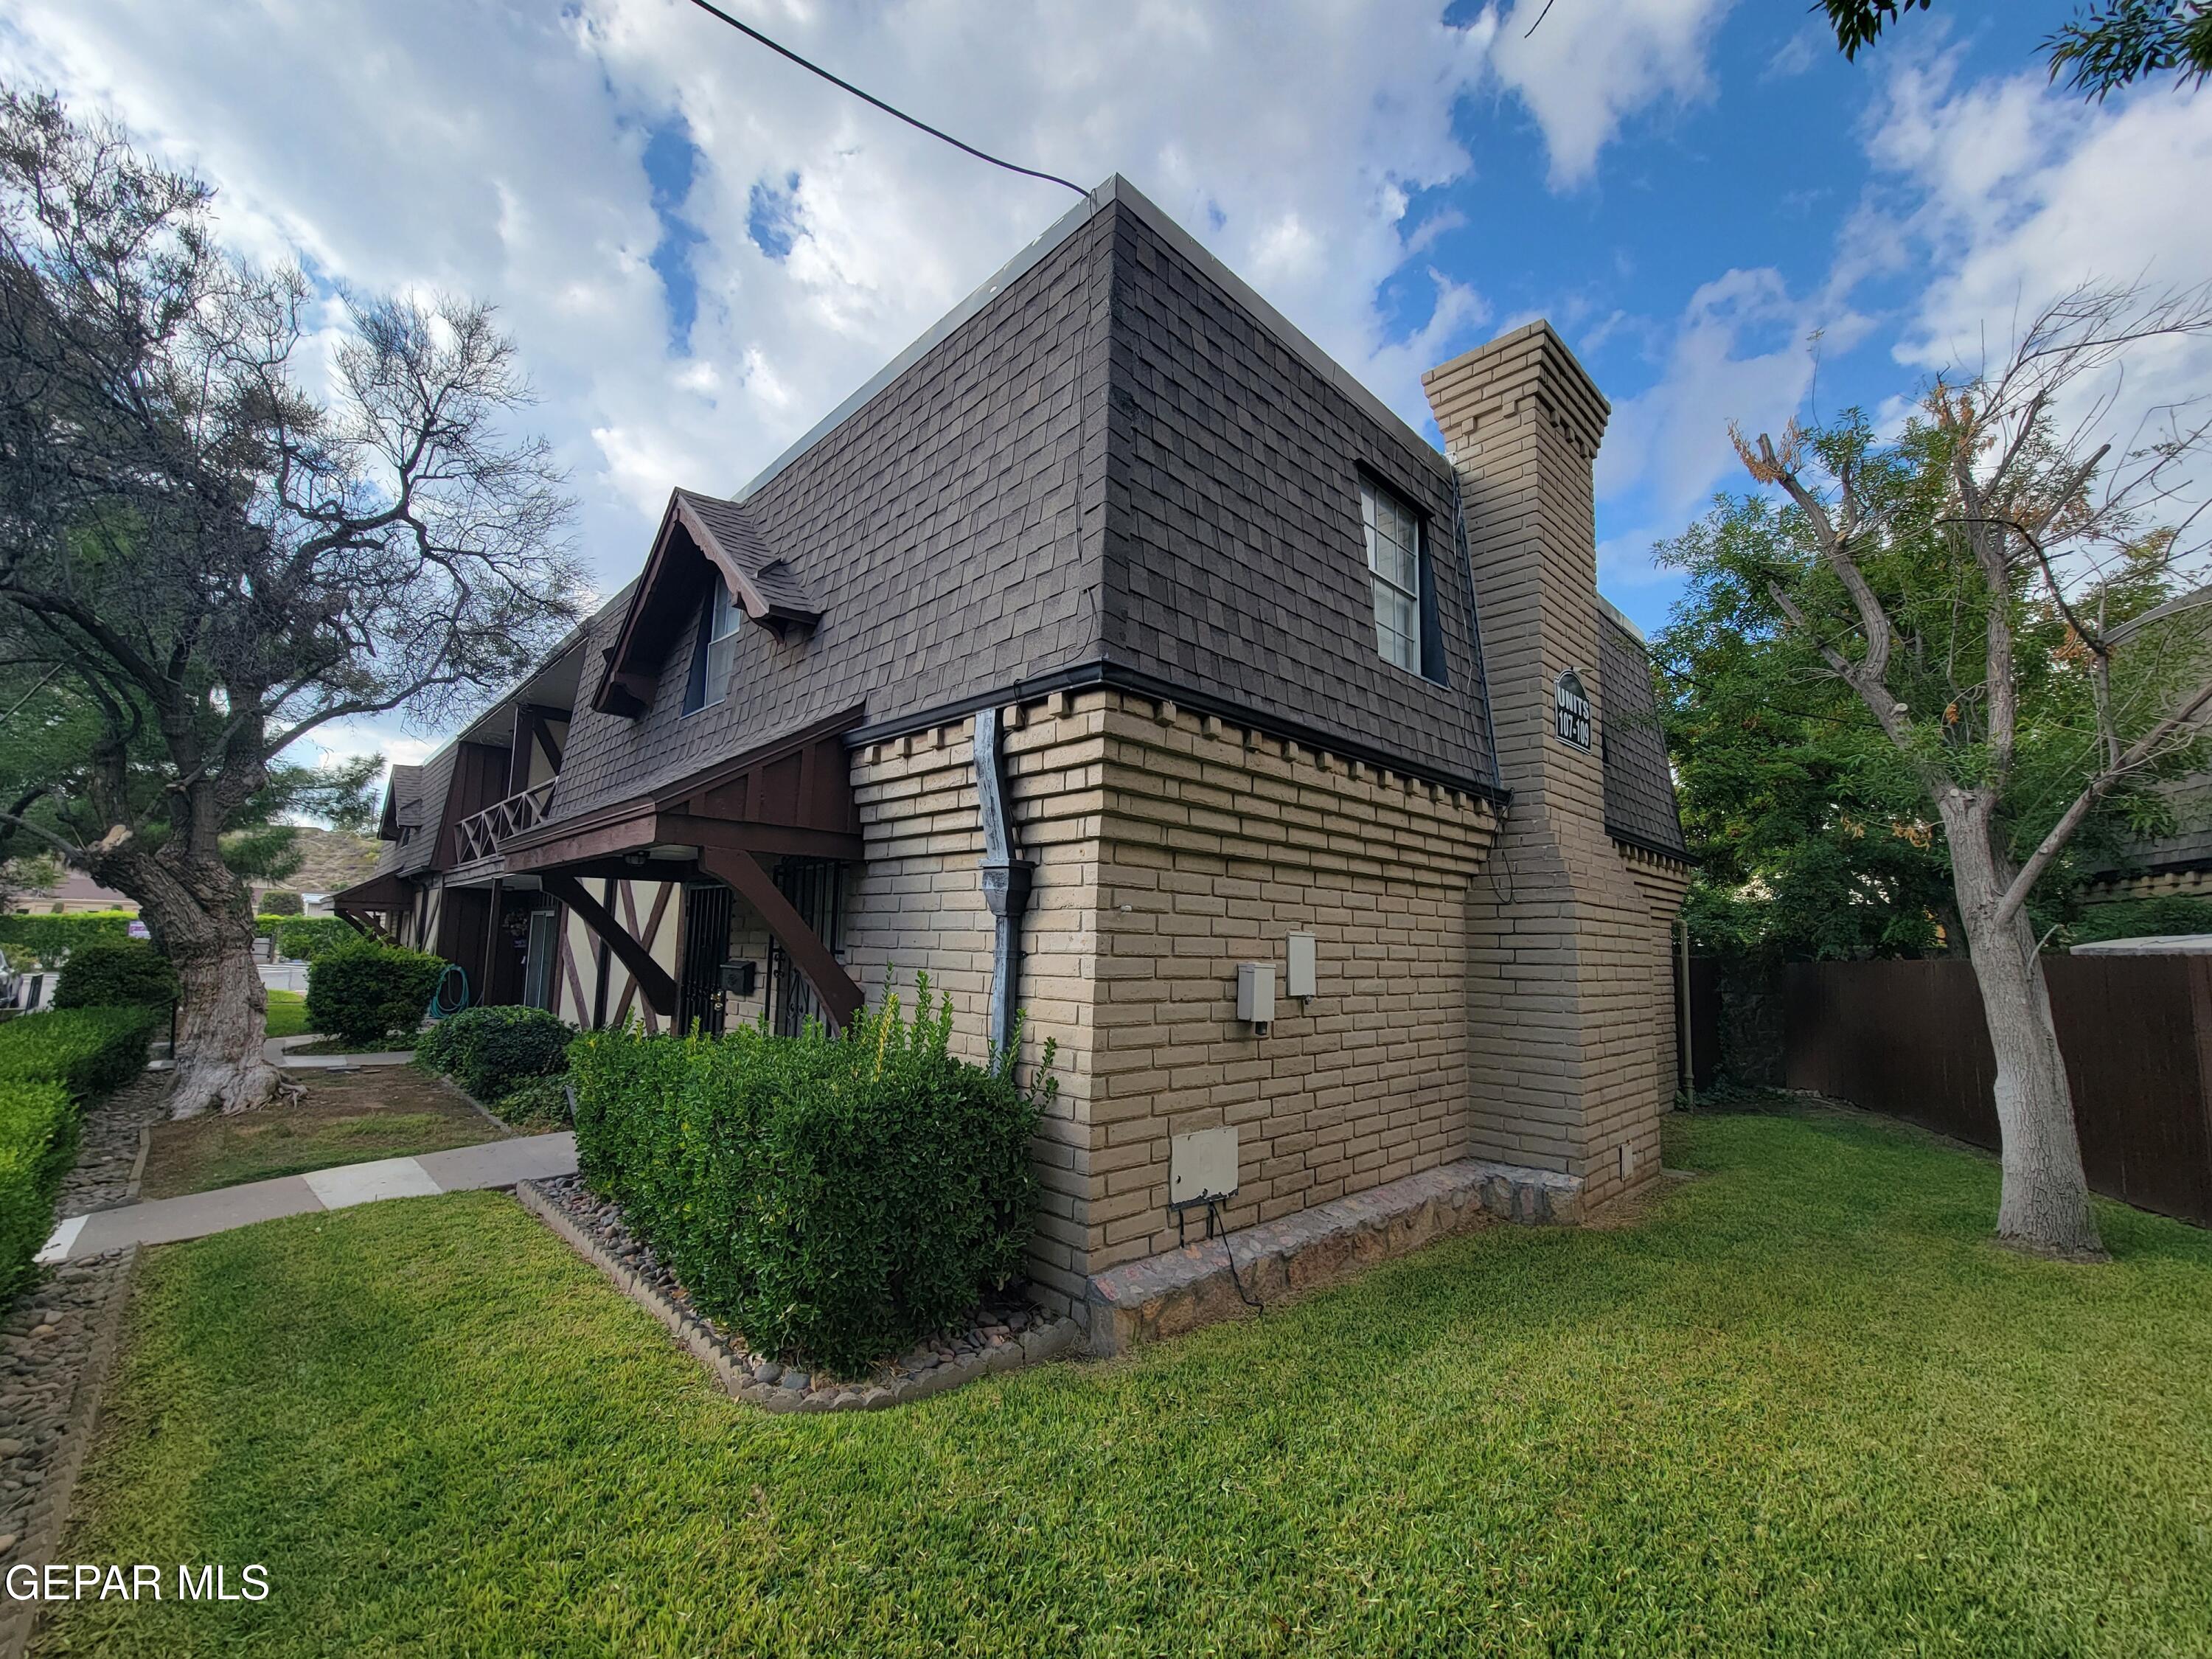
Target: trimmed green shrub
(48, 1062)
(49, 939)
(490, 1052)
(834, 1198)
(363, 990)
(116, 973)
(86, 1050)
(275, 903)
(303, 938)
(38, 1139)
(540, 1104)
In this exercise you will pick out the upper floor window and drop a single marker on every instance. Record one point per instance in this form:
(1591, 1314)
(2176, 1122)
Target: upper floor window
(716, 651)
(1398, 570)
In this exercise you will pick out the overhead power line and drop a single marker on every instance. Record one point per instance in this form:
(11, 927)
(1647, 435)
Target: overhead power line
(750, 33)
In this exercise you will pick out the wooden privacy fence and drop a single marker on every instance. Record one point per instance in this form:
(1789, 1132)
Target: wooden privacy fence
(1907, 1038)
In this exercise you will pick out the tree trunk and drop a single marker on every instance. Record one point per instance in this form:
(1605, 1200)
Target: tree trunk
(2045, 1202)
(221, 1026)
(201, 913)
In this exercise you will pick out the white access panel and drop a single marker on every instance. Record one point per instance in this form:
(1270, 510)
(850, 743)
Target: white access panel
(1201, 1165)
(1300, 981)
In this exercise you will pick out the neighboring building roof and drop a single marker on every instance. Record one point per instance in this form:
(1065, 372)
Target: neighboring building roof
(2188, 846)
(74, 890)
(1639, 788)
(2150, 944)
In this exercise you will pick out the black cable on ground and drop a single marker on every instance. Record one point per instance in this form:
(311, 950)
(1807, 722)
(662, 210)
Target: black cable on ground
(1214, 1215)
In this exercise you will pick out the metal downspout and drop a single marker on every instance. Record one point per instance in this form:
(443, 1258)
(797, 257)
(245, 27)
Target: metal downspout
(1006, 879)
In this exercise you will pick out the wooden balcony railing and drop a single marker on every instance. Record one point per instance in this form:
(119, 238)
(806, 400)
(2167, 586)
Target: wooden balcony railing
(481, 833)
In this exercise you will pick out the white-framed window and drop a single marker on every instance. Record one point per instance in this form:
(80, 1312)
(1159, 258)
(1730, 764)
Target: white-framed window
(716, 651)
(1394, 568)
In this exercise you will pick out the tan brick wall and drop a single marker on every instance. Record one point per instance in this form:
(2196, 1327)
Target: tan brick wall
(1567, 1003)
(1218, 843)
(916, 906)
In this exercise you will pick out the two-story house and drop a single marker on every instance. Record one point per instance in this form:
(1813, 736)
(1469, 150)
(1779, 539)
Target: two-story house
(1115, 656)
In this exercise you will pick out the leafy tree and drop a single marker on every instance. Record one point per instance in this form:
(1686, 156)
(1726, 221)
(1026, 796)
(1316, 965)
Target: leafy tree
(2109, 45)
(1991, 584)
(1812, 836)
(216, 561)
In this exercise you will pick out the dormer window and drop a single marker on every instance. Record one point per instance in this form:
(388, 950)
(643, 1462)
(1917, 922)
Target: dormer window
(714, 652)
(1398, 571)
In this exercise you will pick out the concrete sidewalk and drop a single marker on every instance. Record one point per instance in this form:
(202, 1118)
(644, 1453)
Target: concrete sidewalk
(164, 1221)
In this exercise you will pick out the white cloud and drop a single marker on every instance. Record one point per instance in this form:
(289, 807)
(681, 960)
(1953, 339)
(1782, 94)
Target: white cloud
(2010, 193)
(1739, 352)
(1583, 69)
(502, 152)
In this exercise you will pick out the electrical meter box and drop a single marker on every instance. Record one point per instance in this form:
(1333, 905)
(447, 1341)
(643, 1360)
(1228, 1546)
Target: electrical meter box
(1201, 1165)
(1255, 992)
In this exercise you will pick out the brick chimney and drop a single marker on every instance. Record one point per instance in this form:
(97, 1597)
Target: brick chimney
(1564, 947)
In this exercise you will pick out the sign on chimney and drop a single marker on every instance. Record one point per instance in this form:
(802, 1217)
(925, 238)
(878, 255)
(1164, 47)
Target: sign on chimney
(1571, 708)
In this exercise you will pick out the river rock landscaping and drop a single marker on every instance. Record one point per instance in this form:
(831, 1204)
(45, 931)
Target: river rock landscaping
(1005, 1332)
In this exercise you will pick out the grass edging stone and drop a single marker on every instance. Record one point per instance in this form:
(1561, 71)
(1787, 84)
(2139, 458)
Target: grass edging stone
(568, 1209)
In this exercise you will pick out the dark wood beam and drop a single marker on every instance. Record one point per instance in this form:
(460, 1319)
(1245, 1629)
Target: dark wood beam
(738, 868)
(784, 840)
(656, 983)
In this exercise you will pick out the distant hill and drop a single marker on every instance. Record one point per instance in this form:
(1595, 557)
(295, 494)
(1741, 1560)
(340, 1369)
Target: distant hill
(331, 859)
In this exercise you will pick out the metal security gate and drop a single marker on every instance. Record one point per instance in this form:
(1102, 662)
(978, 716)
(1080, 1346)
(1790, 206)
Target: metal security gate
(816, 888)
(706, 943)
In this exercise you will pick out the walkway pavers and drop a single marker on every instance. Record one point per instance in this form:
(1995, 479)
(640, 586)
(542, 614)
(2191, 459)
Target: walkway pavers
(165, 1221)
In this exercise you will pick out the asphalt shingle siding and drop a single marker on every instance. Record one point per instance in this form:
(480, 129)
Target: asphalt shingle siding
(947, 529)
(1113, 461)
(1236, 563)
(436, 779)
(1640, 790)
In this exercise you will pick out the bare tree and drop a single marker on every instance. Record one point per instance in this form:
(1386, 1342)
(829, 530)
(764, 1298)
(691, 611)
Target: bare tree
(2005, 475)
(222, 560)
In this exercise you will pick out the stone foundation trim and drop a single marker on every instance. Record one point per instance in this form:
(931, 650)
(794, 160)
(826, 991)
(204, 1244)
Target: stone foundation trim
(733, 1372)
(49, 1515)
(1184, 1289)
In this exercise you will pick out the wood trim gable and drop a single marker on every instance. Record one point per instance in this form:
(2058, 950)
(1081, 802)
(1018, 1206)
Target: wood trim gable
(663, 600)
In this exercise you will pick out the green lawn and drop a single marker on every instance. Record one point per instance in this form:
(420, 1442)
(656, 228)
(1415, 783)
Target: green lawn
(1806, 1407)
(340, 1117)
(287, 1013)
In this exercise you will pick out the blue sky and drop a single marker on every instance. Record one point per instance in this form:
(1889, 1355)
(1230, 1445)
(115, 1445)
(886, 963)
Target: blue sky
(701, 250)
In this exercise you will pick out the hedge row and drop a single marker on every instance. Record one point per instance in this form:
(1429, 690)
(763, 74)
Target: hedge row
(87, 1050)
(48, 1063)
(116, 973)
(302, 938)
(48, 939)
(832, 1198)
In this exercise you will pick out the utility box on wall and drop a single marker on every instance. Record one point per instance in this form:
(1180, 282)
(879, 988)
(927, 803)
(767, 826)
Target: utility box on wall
(1201, 1165)
(1255, 992)
(1299, 981)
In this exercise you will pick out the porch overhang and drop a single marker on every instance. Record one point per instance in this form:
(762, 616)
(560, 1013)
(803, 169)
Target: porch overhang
(790, 797)
(358, 906)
